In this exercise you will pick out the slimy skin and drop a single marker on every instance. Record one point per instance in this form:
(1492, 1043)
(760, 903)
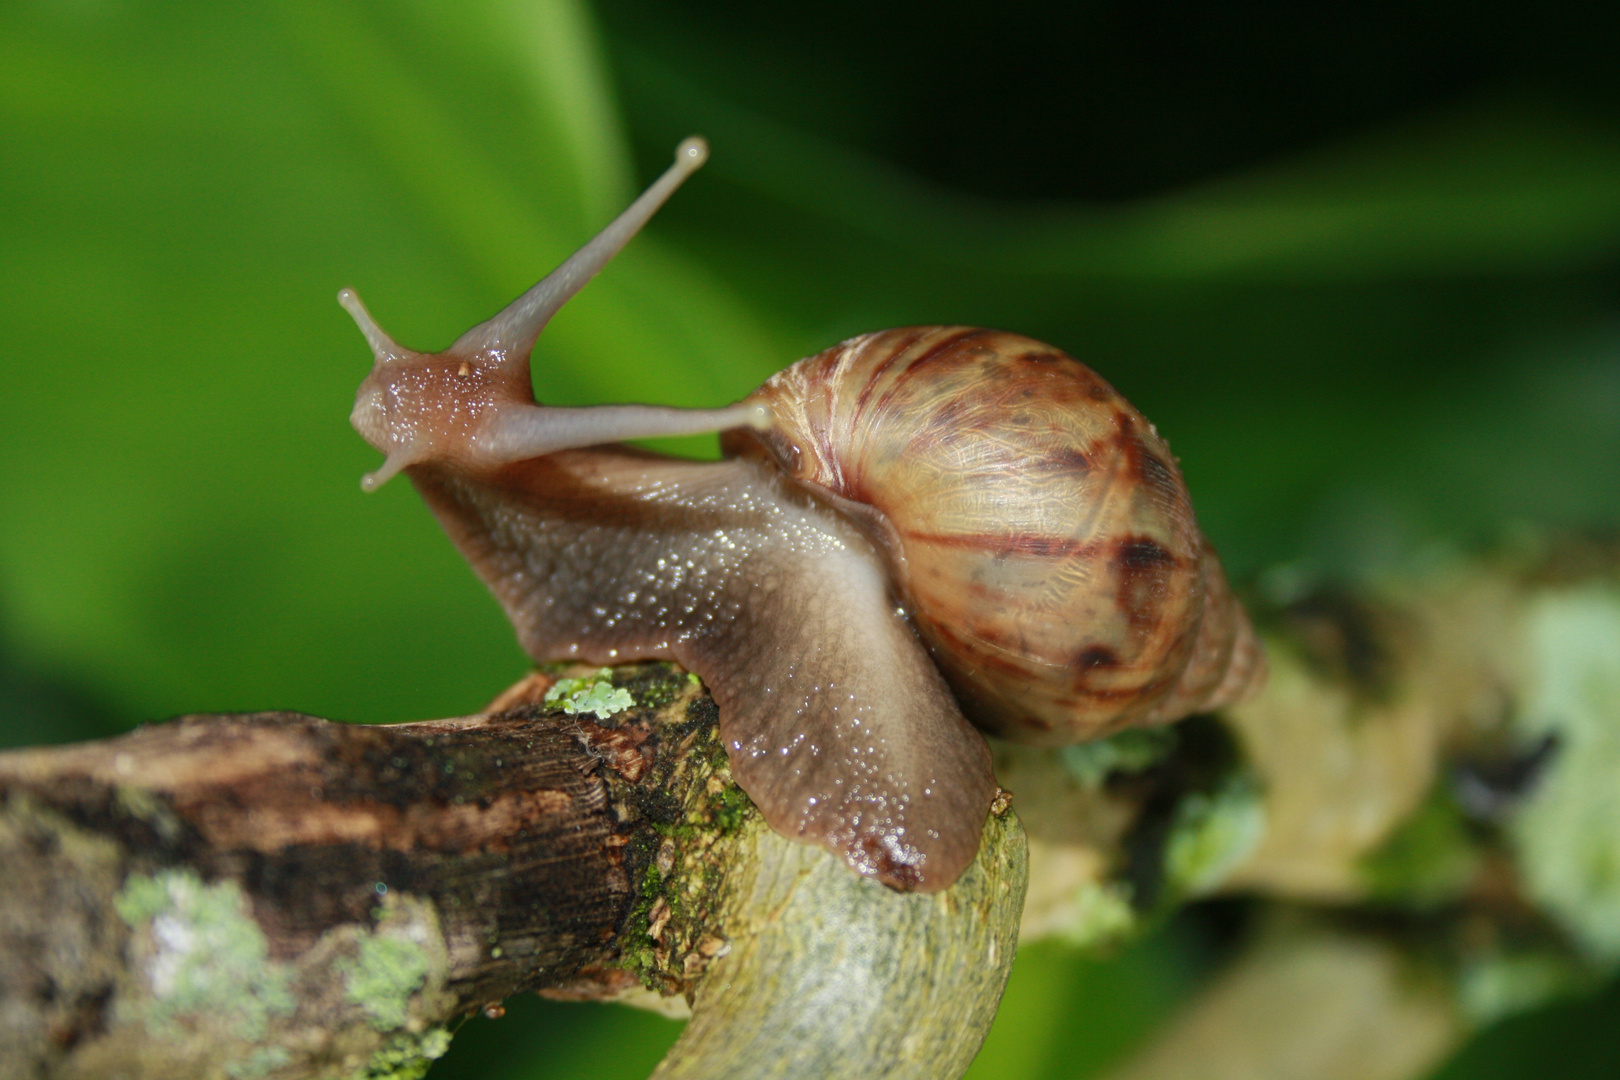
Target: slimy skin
(909, 523)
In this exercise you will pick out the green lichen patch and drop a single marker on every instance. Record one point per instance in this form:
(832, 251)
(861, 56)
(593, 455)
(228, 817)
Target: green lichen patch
(730, 808)
(1133, 750)
(1101, 915)
(406, 1056)
(1212, 834)
(1567, 834)
(204, 956)
(386, 970)
(1501, 984)
(654, 685)
(666, 942)
(591, 694)
(688, 815)
(681, 813)
(1429, 861)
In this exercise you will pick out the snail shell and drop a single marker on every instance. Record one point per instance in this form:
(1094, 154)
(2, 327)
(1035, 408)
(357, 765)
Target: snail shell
(1036, 525)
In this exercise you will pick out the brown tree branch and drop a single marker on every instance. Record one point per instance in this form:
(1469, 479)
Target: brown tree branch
(437, 865)
(278, 896)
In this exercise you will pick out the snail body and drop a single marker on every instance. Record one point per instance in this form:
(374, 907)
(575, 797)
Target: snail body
(906, 514)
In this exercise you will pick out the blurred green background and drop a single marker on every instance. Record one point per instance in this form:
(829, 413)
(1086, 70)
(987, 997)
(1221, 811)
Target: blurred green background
(1360, 265)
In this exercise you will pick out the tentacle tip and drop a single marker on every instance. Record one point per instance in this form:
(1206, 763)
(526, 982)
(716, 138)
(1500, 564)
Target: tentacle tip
(349, 301)
(692, 152)
(395, 461)
(382, 346)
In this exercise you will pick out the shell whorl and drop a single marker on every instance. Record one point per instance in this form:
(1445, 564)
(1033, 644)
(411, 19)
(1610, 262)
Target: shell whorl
(1038, 528)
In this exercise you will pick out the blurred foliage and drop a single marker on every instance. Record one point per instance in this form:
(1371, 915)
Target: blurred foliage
(1359, 265)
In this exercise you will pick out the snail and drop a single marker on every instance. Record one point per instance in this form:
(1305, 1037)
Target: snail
(912, 528)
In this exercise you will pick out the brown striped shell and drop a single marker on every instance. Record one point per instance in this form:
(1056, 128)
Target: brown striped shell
(1037, 527)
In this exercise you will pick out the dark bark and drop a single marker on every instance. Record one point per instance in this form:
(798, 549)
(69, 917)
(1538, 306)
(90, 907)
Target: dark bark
(487, 853)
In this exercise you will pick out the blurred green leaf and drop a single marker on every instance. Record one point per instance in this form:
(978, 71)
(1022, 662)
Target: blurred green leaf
(1488, 187)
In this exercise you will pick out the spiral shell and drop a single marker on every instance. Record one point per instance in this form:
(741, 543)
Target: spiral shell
(1038, 529)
